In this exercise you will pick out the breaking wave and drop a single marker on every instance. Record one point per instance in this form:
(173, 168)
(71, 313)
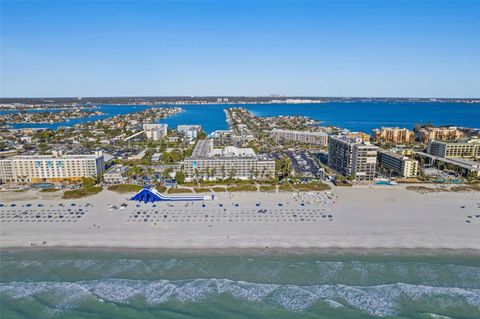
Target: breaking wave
(351, 273)
(379, 300)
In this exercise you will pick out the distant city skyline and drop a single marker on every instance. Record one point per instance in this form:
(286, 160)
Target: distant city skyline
(425, 49)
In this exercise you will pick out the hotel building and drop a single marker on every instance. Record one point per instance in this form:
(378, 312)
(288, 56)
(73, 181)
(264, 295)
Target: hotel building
(467, 149)
(352, 157)
(393, 135)
(304, 137)
(51, 168)
(155, 132)
(397, 165)
(209, 163)
(117, 174)
(450, 133)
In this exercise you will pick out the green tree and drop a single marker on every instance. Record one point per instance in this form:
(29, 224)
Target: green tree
(180, 177)
(88, 183)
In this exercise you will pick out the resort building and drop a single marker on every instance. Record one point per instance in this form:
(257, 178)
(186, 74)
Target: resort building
(155, 132)
(358, 136)
(466, 149)
(117, 174)
(304, 137)
(397, 165)
(393, 135)
(465, 167)
(352, 157)
(223, 137)
(209, 163)
(51, 168)
(450, 133)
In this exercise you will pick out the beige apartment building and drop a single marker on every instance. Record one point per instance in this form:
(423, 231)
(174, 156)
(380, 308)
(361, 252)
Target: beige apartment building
(51, 168)
(397, 165)
(155, 132)
(450, 133)
(352, 157)
(393, 135)
(209, 163)
(466, 149)
(304, 137)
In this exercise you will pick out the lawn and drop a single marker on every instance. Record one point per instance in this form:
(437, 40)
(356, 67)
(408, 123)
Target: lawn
(268, 188)
(82, 192)
(285, 188)
(242, 188)
(311, 187)
(201, 190)
(124, 188)
(49, 190)
(179, 190)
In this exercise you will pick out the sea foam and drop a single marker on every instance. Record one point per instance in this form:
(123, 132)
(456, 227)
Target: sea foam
(380, 300)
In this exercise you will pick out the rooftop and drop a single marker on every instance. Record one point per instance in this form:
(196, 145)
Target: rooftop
(470, 165)
(300, 132)
(205, 148)
(232, 151)
(116, 169)
(459, 142)
(56, 155)
(396, 155)
(352, 138)
(155, 126)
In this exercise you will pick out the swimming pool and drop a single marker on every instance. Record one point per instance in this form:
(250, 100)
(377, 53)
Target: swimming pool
(43, 185)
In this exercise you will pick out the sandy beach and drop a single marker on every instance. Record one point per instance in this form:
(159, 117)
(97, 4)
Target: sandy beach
(346, 218)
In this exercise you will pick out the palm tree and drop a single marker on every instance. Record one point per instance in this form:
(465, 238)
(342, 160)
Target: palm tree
(223, 171)
(262, 176)
(233, 171)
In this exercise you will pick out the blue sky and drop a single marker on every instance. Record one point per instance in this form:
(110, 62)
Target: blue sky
(313, 48)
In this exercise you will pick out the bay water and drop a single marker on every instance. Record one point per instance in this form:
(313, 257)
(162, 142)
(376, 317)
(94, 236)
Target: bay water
(355, 116)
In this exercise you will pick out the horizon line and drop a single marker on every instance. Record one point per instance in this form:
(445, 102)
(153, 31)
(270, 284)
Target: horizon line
(238, 96)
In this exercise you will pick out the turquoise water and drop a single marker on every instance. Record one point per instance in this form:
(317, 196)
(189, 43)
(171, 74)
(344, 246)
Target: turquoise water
(58, 284)
(383, 183)
(358, 116)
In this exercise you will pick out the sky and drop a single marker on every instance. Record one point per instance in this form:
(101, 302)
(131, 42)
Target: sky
(256, 48)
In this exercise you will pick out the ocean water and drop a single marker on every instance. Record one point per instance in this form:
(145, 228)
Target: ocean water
(358, 116)
(82, 284)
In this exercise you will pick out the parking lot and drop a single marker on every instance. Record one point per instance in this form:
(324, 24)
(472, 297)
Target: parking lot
(303, 164)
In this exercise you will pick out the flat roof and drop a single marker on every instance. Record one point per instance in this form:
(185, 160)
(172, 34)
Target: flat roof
(116, 169)
(300, 132)
(471, 165)
(53, 157)
(461, 142)
(393, 154)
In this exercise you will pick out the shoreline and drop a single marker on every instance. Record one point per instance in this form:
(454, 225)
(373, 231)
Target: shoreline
(236, 251)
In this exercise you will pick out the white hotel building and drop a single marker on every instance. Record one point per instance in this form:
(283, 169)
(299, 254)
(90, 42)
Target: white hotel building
(209, 163)
(51, 168)
(305, 137)
(155, 132)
